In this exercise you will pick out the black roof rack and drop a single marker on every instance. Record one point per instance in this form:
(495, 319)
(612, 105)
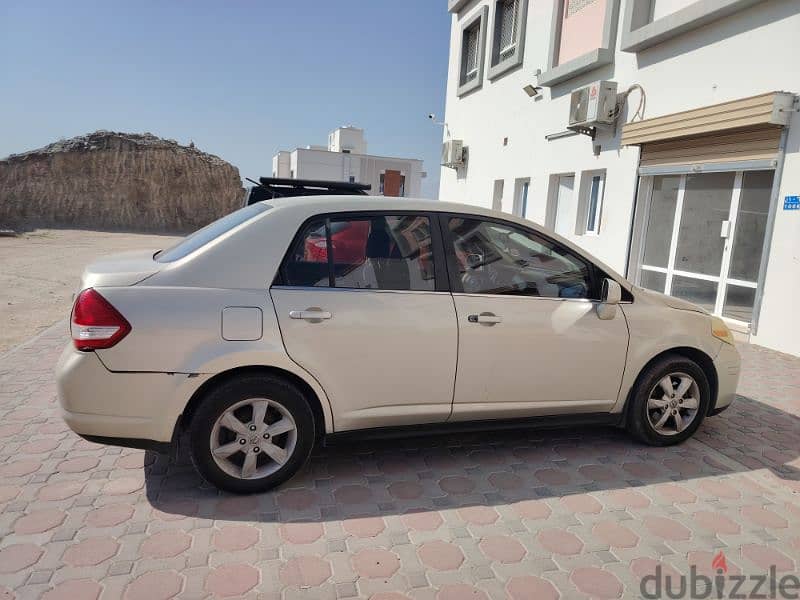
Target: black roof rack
(267, 188)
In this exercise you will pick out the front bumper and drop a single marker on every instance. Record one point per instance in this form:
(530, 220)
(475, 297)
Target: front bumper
(99, 404)
(728, 364)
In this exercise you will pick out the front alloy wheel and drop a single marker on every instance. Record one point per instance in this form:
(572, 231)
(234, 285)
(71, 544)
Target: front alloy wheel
(673, 403)
(668, 401)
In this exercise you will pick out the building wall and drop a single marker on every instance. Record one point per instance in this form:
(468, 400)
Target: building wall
(281, 164)
(662, 8)
(338, 166)
(747, 53)
(779, 325)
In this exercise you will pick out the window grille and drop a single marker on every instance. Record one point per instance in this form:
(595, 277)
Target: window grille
(471, 53)
(507, 17)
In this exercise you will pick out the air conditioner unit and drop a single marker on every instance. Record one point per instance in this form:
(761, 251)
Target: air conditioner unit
(453, 154)
(593, 105)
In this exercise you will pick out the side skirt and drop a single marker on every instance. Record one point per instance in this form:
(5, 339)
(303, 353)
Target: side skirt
(409, 431)
(159, 447)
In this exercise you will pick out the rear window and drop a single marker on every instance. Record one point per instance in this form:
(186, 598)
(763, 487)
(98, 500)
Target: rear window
(210, 232)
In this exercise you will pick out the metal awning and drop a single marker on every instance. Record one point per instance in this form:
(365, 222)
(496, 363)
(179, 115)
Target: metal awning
(771, 110)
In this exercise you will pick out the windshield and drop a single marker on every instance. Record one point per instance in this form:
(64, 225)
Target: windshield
(210, 232)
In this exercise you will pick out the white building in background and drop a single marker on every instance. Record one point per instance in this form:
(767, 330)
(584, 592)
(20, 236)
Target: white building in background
(692, 192)
(345, 159)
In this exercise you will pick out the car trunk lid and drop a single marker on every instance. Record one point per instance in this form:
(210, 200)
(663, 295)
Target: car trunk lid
(123, 269)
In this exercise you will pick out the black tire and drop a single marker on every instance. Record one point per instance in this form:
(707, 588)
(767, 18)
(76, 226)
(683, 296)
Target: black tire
(638, 422)
(221, 398)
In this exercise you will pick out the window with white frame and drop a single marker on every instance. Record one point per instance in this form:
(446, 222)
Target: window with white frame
(594, 202)
(521, 189)
(473, 40)
(508, 35)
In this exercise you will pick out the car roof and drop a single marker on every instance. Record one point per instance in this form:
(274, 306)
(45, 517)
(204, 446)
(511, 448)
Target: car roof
(346, 202)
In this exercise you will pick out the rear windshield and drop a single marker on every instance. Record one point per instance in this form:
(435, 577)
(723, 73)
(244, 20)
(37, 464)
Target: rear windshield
(210, 232)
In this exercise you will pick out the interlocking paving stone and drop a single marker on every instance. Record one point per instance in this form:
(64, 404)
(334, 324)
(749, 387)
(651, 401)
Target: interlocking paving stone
(517, 514)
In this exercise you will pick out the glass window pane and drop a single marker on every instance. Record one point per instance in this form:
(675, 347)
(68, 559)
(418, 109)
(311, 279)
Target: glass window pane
(565, 217)
(658, 234)
(653, 280)
(751, 225)
(210, 232)
(595, 204)
(739, 303)
(703, 293)
(706, 204)
(307, 263)
(383, 253)
(499, 259)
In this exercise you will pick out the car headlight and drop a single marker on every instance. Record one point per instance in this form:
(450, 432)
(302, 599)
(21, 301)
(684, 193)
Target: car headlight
(721, 331)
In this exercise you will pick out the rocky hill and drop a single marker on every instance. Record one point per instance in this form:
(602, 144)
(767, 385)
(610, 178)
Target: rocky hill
(111, 180)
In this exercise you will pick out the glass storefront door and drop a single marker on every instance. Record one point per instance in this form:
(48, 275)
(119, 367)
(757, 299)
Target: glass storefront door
(704, 236)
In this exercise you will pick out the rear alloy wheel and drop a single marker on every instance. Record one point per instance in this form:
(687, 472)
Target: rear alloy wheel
(251, 434)
(669, 401)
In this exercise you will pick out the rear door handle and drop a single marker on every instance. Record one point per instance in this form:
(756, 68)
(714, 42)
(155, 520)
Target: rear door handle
(485, 318)
(310, 314)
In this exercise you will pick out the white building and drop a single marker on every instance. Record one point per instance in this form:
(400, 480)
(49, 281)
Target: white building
(695, 199)
(345, 159)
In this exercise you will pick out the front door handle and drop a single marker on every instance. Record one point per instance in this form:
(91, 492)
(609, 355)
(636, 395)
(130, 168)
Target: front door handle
(485, 318)
(310, 314)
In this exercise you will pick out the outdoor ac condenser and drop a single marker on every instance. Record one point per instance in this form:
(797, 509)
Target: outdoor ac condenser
(453, 154)
(593, 105)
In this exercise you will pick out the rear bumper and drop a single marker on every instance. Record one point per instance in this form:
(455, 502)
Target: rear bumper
(135, 407)
(728, 364)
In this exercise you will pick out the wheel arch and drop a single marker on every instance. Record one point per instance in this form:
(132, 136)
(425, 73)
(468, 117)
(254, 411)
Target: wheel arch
(703, 360)
(308, 391)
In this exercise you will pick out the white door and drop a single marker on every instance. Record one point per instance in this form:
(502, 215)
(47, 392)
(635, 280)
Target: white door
(704, 238)
(530, 340)
(381, 341)
(565, 214)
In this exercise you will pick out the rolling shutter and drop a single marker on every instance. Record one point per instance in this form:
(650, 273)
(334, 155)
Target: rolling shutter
(745, 145)
(746, 130)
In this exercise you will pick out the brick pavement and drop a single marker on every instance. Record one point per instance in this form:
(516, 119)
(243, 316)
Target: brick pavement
(530, 514)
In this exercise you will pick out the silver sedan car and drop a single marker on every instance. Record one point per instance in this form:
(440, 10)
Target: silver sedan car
(291, 321)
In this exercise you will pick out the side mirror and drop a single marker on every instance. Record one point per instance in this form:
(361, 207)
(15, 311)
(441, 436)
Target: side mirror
(611, 292)
(610, 295)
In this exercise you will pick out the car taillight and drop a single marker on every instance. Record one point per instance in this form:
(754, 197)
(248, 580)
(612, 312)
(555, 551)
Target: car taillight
(95, 323)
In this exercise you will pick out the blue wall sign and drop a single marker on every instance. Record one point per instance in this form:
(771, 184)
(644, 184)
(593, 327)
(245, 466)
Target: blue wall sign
(791, 203)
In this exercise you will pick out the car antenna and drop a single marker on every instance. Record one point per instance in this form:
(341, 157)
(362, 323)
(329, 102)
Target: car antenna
(253, 181)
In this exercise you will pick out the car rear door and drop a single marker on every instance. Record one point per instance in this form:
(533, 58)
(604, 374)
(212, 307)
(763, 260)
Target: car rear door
(363, 305)
(530, 340)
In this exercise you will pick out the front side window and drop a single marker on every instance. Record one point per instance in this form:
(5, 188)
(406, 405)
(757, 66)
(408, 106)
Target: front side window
(494, 258)
(385, 252)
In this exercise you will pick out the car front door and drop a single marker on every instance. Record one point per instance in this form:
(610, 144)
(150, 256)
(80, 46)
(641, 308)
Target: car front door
(363, 305)
(530, 340)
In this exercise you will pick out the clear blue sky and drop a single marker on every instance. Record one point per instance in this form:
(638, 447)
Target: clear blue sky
(241, 79)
